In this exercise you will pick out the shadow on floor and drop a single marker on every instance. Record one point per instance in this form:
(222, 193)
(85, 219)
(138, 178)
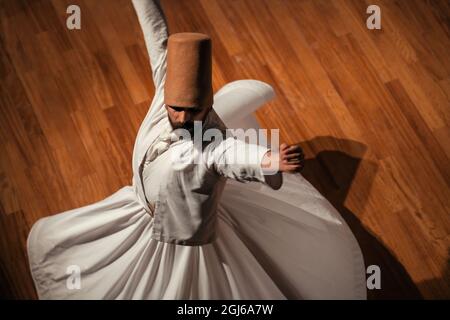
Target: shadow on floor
(332, 172)
(435, 285)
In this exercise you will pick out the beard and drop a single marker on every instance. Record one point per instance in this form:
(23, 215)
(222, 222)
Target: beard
(189, 126)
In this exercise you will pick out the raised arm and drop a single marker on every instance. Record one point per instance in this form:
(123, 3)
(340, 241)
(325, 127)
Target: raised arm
(154, 27)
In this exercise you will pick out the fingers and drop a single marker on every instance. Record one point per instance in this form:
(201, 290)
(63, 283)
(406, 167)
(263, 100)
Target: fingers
(290, 148)
(295, 148)
(293, 152)
(292, 156)
(293, 168)
(294, 161)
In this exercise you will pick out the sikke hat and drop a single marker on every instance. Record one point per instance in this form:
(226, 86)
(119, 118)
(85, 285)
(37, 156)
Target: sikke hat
(189, 70)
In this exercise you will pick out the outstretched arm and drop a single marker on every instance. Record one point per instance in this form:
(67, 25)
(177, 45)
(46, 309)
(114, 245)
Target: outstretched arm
(241, 161)
(154, 27)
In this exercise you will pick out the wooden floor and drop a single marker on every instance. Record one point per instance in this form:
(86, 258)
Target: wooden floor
(370, 107)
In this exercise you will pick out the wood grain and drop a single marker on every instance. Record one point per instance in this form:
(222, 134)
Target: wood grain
(370, 107)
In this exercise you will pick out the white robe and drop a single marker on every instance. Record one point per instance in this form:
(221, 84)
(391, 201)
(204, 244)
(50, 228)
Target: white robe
(289, 243)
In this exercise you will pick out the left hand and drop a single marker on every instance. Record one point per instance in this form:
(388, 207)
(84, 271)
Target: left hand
(289, 159)
(292, 158)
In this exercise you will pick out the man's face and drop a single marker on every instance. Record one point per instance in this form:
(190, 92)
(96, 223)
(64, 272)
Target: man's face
(181, 117)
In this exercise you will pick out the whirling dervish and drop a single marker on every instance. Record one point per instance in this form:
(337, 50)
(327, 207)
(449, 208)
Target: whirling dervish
(224, 227)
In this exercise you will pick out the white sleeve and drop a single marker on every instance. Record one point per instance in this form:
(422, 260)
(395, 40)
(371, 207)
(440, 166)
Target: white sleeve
(154, 27)
(241, 161)
(238, 99)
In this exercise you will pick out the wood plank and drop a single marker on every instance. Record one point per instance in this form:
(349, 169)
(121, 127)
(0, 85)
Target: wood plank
(371, 109)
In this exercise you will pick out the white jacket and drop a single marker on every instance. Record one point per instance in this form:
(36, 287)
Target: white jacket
(184, 202)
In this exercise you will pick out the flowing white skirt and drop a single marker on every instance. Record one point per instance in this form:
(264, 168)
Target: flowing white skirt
(289, 243)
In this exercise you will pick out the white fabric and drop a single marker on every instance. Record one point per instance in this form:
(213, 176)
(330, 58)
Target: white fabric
(184, 195)
(289, 243)
(230, 109)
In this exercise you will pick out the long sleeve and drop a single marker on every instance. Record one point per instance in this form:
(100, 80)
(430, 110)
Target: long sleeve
(241, 161)
(154, 27)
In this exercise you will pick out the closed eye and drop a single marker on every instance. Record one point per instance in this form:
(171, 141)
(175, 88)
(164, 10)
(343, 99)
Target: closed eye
(179, 109)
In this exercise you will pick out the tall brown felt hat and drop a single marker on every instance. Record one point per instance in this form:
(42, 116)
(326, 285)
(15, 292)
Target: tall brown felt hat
(189, 70)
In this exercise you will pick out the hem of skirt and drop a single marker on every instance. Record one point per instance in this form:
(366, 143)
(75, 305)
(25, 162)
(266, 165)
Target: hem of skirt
(360, 288)
(34, 270)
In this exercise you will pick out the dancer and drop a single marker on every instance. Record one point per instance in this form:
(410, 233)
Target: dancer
(225, 227)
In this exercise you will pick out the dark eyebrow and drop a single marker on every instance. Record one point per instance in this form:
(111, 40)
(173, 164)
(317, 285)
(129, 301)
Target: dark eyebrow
(186, 109)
